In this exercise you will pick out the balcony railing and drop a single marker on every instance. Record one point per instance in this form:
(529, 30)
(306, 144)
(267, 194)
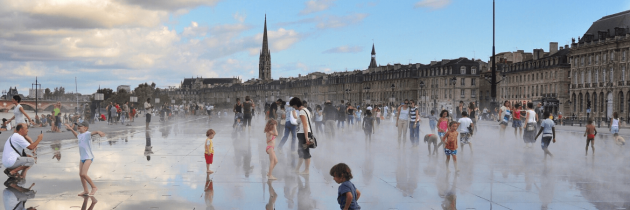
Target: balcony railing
(601, 84)
(620, 83)
(462, 96)
(579, 85)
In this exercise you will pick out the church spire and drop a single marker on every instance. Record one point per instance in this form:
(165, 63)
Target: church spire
(264, 62)
(265, 47)
(373, 60)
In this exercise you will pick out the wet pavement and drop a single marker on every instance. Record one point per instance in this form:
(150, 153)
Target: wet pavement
(164, 168)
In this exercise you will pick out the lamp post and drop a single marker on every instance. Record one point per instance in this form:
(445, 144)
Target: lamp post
(348, 93)
(422, 94)
(99, 97)
(37, 85)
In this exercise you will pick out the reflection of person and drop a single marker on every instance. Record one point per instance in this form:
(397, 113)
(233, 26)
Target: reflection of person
(450, 198)
(15, 196)
(347, 194)
(85, 150)
(85, 200)
(209, 150)
(14, 157)
(56, 147)
(272, 197)
(209, 192)
(148, 148)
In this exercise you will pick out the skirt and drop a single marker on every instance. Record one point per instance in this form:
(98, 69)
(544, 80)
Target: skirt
(517, 123)
(529, 136)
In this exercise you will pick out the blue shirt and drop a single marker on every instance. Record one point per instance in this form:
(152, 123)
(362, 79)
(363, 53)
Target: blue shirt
(345, 187)
(547, 124)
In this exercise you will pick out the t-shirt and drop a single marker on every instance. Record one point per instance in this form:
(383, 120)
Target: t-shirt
(451, 141)
(330, 113)
(19, 116)
(147, 106)
(505, 114)
(464, 122)
(57, 110)
(345, 187)
(547, 124)
(9, 156)
(85, 145)
(209, 146)
(304, 113)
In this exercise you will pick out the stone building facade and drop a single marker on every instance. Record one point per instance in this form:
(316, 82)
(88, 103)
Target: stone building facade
(599, 82)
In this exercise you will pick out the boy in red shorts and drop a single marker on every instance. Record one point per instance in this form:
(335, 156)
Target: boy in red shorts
(590, 135)
(209, 147)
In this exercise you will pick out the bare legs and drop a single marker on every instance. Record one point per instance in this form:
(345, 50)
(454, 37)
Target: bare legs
(306, 165)
(85, 179)
(448, 158)
(273, 160)
(520, 129)
(24, 169)
(208, 171)
(592, 143)
(502, 131)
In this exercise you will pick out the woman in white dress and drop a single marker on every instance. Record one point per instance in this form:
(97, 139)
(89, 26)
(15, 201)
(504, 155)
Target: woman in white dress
(18, 112)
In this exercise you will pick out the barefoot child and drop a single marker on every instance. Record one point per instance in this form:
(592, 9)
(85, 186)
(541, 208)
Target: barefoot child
(548, 129)
(368, 127)
(271, 133)
(209, 147)
(450, 144)
(348, 194)
(590, 135)
(85, 149)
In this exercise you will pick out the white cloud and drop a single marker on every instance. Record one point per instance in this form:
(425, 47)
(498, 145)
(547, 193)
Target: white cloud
(344, 49)
(333, 21)
(316, 6)
(239, 17)
(433, 4)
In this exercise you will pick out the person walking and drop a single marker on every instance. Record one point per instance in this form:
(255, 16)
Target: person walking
(18, 111)
(319, 119)
(530, 126)
(248, 107)
(303, 135)
(148, 108)
(350, 113)
(414, 124)
(504, 118)
(281, 118)
(289, 127)
(125, 114)
(238, 110)
(402, 121)
(341, 115)
(330, 113)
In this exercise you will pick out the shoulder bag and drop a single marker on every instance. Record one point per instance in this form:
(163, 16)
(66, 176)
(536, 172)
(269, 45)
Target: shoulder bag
(292, 119)
(311, 136)
(23, 154)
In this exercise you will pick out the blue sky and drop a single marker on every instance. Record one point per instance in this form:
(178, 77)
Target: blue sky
(115, 42)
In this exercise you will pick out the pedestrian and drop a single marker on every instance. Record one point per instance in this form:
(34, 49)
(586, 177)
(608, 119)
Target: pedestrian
(458, 110)
(238, 110)
(530, 126)
(209, 149)
(57, 110)
(517, 124)
(319, 119)
(85, 151)
(148, 108)
(280, 117)
(304, 135)
(379, 115)
(113, 113)
(368, 127)
(473, 111)
(414, 124)
(347, 194)
(450, 144)
(465, 129)
(270, 135)
(548, 130)
(402, 121)
(341, 115)
(248, 106)
(13, 156)
(350, 112)
(504, 117)
(614, 126)
(330, 114)
(590, 134)
(290, 127)
(125, 114)
(432, 121)
(18, 111)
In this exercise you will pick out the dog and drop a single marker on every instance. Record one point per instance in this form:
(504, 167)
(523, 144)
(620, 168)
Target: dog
(432, 139)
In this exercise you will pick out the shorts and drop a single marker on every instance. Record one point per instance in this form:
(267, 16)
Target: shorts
(517, 123)
(464, 138)
(544, 143)
(614, 129)
(23, 161)
(450, 152)
(503, 123)
(303, 153)
(58, 121)
(590, 137)
(441, 134)
(148, 117)
(248, 119)
(209, 158)
(83, 161)
(208, 111)
(432, 124)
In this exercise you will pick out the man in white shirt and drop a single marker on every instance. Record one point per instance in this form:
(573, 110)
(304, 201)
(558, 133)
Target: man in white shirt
(148, 108)
(465, 130)
(13, 157)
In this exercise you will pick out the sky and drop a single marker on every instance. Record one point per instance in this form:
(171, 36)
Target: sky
(108, 43)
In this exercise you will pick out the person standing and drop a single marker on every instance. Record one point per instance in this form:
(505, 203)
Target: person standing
(281, 118)
(125, 113)
(341, 115)
(504, 118)
(329, 117)
(113, 112)
(237, 109)
(402, 121)
(148, 108)
(319, 119)
(459, 110)
(614, 126)
(18, 111)
(539, 114)
(248, 106)
(530, 126)
(303, 135)
(465, 130)
(350, 113)
(432, 121)
(414, 124)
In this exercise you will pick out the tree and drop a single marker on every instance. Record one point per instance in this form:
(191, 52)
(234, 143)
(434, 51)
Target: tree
(47, 93)
(107, 93)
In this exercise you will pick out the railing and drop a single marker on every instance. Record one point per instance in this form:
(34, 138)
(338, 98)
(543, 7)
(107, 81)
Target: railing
(619, 83)
(601, 84)
(587, 85)
(573, 86)
(579, 85)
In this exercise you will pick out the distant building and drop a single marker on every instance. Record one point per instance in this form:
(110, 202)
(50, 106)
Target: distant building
(31, 93)
(12, 92)
(124, 87)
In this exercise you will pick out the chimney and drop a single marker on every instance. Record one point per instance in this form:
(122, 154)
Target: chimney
(553, 47)
(561, 48)
(396, 66)
(566, 46)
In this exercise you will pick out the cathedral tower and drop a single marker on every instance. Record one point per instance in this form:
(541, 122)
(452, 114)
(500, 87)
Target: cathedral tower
(264, 62)
(373, 61)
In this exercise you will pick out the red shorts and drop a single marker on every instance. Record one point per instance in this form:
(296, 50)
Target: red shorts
(209, 158)
(590, 136)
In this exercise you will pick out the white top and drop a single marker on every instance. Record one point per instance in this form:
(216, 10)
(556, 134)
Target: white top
(532, 116)
(615, 122)
(318, 116)
(304, 112)
(19, 116)
(464, 122)
(404, 113)
(147, 106)
(85, 145)
(9, 156)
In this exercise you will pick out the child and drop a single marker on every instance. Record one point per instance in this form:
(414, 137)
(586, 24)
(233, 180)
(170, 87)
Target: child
(590, 135)
(85, 149)
(209, 154)
(618, 139)
(548, 129)
(271, 133)
(450, 144)
(368, 127)
(348, 194)
(432, 121)
(516, 121)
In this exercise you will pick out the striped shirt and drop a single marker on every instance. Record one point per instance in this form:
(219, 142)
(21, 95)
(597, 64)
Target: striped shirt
(412, 114)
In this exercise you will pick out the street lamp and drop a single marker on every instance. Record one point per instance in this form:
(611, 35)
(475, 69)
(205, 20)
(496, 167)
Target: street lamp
(422, 93)
(99, 97)
(37, 85)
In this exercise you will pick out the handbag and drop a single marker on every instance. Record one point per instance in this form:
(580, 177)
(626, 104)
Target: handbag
(292, 119)
(311, 136)
(531, 127)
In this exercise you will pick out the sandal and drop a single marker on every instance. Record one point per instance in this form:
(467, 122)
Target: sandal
(8, 173)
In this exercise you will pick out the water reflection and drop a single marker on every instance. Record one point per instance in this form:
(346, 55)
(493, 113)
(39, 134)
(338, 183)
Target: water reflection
(209, 192)
(15, 195)
(290, 188)
(56, 147)
(243, 154)
(271, 204)
(85, 201)
(304, 193)
(407, 172)
(546, 188)
(450, 194)
(148, 149)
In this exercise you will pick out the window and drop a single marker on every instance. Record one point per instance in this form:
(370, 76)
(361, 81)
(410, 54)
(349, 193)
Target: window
(612, 55)
(473, 93)
(462, 70)
(472, 82)
(623, 73)
(473, 70)
(582, 61)
(596, 75)
(596, 59)
(604, 57)
(623, 56)
(590, 58)
(463, 93)
(463, 82)
(611, 74)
